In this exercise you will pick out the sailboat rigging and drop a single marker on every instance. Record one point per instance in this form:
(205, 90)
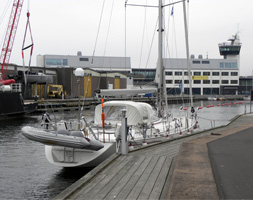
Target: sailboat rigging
(102, 135)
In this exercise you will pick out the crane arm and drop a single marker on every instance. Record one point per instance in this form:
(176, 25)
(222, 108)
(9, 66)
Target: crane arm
(9, 39)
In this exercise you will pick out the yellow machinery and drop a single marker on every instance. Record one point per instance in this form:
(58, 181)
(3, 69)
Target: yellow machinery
(54, 91)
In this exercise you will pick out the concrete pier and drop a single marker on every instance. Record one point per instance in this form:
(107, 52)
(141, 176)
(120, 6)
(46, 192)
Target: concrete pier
(185, 168)
(72, 104)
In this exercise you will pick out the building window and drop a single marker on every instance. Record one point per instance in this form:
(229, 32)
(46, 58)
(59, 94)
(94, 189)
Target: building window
(169, 81)
(65, 62)
(51, 61)
(197, 81)
(149, 75)
(177, 81)
(57, 62)
(205, 62)
(178, 73)
(186, 81)
(234, 73)
(168, 73)
(224, 73)
(232, 65)
(224, 81)
(234, 81)
(186, 73)
(216, 82)
(197, 73)
(206, 73)
(195, 62)
(84, 59)
(206, 81)
(216, 73)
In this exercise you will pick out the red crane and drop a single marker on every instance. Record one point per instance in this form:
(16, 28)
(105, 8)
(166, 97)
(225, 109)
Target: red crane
(9, 40)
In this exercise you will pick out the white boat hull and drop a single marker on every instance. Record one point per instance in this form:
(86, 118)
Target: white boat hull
(71, 157)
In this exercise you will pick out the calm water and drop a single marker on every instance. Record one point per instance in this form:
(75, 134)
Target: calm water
(25, 172)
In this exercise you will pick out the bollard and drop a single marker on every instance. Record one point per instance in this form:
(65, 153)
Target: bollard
(124, 146)
(250, 106)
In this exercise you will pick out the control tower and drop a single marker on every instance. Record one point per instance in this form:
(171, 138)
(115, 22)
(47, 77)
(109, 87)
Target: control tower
(231, 49)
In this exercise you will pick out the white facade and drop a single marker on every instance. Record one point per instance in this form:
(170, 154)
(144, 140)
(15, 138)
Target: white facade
(208, 74)
(96, 62)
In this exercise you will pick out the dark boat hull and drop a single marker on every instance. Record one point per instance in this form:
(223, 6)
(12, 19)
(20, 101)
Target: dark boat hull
(12, 105)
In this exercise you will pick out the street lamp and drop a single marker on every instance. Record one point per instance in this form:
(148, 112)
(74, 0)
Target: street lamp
(79, 72)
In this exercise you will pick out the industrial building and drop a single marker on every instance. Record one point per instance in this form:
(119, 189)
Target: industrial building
(91, 81)
(100, 63)
(209, 76)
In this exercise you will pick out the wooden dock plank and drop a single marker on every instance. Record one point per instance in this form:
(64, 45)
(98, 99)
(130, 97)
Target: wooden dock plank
(106, 179)
(145, 192)
(97, 179)
(117, 189)
(133, 180)
(114, 181)
(160, 182)
(157, 149)
(143, 179)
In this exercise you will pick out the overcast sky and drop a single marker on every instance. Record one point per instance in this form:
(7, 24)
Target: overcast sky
(63, 27)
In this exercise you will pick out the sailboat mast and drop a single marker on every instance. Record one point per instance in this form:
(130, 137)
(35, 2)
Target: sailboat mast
(160, 59)
(187, 53)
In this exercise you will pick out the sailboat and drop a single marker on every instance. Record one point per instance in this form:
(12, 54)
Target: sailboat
(144, 123)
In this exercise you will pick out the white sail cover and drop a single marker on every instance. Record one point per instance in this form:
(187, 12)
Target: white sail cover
(137, 112)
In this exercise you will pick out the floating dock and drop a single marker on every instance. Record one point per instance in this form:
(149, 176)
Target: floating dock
(177, 169)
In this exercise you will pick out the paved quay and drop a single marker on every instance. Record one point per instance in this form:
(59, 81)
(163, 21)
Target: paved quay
(216, 166)
(186, 168)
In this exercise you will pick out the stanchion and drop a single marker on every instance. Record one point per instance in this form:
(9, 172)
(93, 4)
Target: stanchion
(103, 119)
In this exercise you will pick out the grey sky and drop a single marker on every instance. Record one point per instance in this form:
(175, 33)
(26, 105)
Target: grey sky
(65, 27)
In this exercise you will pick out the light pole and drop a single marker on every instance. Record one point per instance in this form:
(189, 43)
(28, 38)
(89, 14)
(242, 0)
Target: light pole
(79, 72)
(251, 91)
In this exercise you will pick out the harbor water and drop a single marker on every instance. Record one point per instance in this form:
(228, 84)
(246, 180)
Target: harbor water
(26, 174)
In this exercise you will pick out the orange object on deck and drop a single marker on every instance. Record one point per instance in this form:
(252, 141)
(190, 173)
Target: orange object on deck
(103, 119)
